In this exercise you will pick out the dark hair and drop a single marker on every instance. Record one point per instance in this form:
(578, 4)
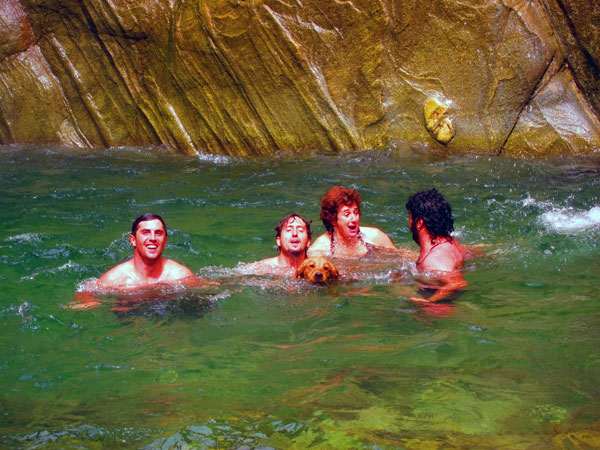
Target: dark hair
(283, 222)
(331, 202)
(434, 210)
(145, 217)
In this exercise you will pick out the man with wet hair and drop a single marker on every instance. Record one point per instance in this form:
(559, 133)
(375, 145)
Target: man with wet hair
(341, 214)
(147, 266)
(292, 237)
(431, 224)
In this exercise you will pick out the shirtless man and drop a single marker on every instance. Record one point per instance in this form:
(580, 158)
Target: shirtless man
(292, 236)
(147, 267)
(431, 222)
(148, 238)
(340, 213)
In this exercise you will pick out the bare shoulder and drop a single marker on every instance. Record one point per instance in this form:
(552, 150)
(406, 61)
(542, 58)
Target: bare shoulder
(375, 236)
(270, 262)
(175, 271)
(260, 267)
(443, 259)
(120, 275)
(321, 246)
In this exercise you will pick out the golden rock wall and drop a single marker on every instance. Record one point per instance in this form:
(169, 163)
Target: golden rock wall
(241, 77)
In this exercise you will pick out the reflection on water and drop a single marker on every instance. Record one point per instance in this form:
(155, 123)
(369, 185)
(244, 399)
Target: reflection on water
(271, 362)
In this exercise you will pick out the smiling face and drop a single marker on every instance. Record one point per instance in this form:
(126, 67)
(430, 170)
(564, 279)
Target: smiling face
(150, 239)
(293, 238)
(348, 220)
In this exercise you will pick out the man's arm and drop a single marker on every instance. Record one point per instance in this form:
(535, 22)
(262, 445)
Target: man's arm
(84, 300)
(451, 283)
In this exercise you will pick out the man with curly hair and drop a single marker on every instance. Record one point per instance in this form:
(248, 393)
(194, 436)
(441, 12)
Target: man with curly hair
(431, 223)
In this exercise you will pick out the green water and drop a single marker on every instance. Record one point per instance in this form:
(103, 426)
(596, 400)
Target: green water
(512, 363)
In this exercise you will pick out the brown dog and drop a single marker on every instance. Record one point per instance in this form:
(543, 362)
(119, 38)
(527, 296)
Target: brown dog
(317, 269)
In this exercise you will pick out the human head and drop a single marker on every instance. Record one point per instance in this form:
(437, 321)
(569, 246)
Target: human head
(144, 217)
(149, 237)
(288, 220)
(434, 210)
(331, 202)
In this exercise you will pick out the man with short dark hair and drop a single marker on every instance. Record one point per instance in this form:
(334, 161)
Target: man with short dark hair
(431, 223)
(292, 236)
(148, 238)
(147, 266)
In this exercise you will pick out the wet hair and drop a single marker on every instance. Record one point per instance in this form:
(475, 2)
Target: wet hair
(283, 222)
(145, 217)
(332, 200)
(434, 210)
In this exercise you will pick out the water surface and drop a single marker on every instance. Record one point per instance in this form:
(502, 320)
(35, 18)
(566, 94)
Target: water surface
(513, 362)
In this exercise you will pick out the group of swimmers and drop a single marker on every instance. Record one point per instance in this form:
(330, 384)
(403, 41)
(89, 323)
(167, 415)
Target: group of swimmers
(430, 221)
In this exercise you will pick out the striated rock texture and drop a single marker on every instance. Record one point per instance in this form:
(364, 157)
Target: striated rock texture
(243, 77)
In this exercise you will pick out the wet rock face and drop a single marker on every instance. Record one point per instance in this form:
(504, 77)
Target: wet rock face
(557, 121)
(251, 77)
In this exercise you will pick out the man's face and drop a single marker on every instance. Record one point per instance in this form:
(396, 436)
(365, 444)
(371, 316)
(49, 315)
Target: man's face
(293, 238)
(412, 224)
(348, 219)
(150, 239)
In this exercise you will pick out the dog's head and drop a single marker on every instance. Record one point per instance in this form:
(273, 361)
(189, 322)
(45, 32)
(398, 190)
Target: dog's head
(317, 269)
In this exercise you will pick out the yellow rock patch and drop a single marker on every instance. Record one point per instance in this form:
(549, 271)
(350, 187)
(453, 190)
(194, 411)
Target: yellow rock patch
(437, 121)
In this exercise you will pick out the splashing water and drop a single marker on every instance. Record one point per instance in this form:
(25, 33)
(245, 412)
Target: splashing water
(569, 220)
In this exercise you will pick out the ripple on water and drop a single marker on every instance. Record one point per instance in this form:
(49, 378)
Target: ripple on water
(69, 266)
(26, 238)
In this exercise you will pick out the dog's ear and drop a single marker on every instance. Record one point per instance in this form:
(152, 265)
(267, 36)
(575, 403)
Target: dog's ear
(300, 270)
(334, 272)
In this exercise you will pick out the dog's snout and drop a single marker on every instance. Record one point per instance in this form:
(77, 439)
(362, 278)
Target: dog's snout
(318, 276)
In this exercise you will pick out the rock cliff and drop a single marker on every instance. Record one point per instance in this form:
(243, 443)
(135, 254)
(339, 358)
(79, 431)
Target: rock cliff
(244, 77)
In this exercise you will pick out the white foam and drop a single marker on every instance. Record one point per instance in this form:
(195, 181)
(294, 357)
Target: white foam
(530, 201)
(218, 160)
(25, 237)
(570, 220)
